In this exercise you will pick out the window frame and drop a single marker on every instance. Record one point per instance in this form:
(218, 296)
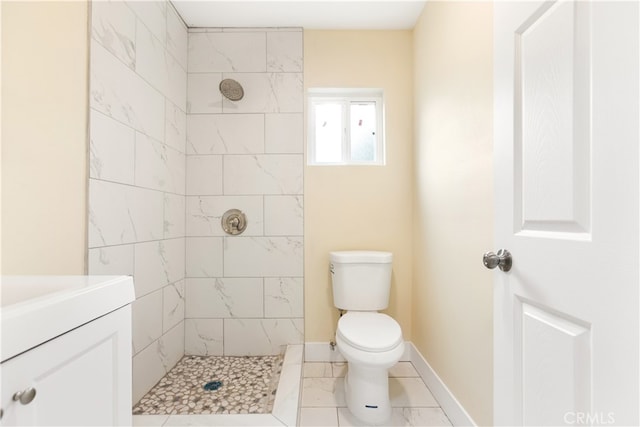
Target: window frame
(346, 97)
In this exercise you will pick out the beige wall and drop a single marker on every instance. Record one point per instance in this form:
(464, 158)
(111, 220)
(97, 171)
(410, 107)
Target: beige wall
(453, 206)
(44, 142)
(360, 207)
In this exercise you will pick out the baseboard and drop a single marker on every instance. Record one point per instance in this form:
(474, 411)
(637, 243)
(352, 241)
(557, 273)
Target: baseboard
(322, 352)
(447, 401)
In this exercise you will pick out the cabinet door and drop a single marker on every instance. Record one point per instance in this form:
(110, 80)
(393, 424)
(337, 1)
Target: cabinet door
(81, 378)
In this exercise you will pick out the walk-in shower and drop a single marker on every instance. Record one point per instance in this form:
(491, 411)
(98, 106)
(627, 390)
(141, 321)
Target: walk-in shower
(185, 125)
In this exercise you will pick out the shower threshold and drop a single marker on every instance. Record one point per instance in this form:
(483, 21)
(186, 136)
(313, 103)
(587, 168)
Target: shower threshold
(285, 403)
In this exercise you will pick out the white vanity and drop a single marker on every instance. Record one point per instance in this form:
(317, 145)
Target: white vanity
(66, 350)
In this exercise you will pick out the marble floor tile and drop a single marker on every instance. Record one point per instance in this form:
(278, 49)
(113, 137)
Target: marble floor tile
(226, 420)
(319, 417)
(323, 392)
(410, 392)
(403, 369)
(418, 417)
(317, 370)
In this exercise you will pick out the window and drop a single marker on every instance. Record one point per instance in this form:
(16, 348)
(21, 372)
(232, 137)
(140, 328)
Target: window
(345, 127)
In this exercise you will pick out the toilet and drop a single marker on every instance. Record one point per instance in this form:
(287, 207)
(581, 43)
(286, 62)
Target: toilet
(371, 342)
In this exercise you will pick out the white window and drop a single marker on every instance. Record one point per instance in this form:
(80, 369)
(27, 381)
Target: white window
(345, 127)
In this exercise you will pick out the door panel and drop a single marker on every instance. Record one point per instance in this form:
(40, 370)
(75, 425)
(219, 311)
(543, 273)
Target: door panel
(552, 129)
(556, 354)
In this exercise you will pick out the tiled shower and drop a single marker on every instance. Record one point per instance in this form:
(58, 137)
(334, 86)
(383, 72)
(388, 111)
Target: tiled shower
(169, 155)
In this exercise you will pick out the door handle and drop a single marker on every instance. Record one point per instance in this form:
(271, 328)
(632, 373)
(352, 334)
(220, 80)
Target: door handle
(501, 260)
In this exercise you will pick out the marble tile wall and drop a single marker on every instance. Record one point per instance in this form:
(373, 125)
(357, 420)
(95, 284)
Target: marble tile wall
(138, 100)
(244, 294)
(169, 155)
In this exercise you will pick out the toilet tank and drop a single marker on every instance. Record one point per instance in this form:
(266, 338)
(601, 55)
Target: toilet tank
(361, 279)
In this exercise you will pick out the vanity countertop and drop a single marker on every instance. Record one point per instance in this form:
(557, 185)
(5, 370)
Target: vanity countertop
(35, 309)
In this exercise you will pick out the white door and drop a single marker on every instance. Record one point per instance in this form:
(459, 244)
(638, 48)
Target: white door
(566, 316)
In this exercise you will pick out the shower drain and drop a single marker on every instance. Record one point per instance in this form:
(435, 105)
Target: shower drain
(212, 385)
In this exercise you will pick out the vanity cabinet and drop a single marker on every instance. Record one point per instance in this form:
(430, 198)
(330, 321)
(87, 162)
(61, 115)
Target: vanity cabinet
(66, 350)
(80, 378)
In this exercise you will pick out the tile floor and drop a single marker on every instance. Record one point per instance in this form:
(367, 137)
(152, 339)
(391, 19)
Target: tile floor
(323, 401)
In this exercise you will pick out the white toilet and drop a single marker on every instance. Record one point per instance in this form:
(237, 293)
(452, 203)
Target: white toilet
(370, 341)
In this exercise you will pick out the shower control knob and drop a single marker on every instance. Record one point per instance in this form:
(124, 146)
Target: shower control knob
(234, 222)
(25, 396)
(501, 260)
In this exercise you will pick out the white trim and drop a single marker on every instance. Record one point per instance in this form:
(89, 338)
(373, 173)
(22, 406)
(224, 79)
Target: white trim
(321, 352)
(289, 391)
(447, 401)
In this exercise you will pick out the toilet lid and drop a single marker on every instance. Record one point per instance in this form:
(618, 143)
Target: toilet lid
(369, 331)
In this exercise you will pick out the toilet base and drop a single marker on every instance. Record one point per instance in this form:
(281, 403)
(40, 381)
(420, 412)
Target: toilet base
(367, 394)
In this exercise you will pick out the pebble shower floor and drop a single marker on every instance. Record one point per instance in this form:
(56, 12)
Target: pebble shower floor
(248, 386)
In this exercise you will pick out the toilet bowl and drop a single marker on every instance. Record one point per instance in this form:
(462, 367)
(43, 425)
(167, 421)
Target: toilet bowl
(371, 343)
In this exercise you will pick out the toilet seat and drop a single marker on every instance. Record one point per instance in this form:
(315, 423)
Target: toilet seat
(369, 331)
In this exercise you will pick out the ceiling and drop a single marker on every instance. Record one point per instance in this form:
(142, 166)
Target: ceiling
(309, 14)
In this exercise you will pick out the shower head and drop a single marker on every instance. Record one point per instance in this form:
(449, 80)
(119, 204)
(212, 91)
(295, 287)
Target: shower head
(231, 89)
